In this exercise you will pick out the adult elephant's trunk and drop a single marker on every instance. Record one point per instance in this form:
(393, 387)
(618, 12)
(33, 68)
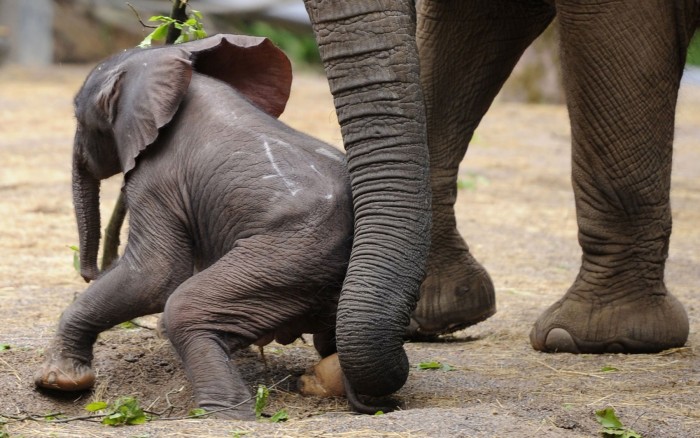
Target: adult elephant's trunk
(86, 199)
(370, 56)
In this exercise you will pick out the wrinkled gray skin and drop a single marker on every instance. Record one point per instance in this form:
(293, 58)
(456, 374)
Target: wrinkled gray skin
(240, 227)
(410, 88)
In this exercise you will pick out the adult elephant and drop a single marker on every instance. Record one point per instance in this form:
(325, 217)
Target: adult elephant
(409, 91)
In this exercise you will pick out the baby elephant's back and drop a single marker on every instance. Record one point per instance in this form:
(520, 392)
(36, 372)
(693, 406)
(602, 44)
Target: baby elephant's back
(306, 181)
(274, 179)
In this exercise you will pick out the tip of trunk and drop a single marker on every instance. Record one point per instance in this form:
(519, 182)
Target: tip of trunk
(372, 356)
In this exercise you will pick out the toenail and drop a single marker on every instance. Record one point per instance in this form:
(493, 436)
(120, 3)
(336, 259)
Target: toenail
(559, 340)
(51, 378)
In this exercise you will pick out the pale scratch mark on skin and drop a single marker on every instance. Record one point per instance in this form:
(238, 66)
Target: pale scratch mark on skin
(290, 185)
(329, 154)
(313, 167)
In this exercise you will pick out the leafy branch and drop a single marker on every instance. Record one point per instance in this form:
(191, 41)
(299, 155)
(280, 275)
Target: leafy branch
(187, 27)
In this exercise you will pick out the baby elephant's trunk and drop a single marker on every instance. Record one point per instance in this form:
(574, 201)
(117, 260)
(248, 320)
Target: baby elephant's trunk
(86, 199)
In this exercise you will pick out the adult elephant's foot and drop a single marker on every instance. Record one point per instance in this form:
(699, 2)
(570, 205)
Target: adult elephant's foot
(456, 293)
(583, 323)
(64, 374)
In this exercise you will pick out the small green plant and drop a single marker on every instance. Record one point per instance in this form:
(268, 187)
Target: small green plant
(609, 369)
(191, 29)
(54, 416)
(261, 400)
(125, 410)
(127, 325)
(4, 347)
(261, 396)
(279, 416)
(434, 365)
(197, 412)
(612, 426)
(239, 433)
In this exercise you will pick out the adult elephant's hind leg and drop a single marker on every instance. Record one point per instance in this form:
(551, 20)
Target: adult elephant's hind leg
(622, 63)
(467, 50)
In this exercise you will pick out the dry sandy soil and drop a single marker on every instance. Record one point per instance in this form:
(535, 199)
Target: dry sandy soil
(517, 212)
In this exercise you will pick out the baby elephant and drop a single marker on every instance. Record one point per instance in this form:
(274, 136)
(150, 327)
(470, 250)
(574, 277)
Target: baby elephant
(240, 227)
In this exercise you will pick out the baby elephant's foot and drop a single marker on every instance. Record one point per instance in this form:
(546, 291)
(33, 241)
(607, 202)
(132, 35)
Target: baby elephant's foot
(645, 324)
(64, 374)
(456, 293)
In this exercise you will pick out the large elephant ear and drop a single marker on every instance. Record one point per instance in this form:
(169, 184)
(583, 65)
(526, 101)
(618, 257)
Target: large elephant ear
(140, 95)
(252, 65)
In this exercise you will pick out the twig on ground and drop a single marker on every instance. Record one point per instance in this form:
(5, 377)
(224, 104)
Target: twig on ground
(570, 372)
(11, 370)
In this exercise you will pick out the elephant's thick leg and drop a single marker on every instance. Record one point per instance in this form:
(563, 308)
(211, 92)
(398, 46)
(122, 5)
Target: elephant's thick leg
(467, 50)
(622, 65)
(127, 291)
(246, 295)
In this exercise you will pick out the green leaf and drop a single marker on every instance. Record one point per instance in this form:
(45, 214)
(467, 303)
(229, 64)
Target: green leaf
(76, 257)
(607, 418)
(160, 32)
(4, 347)
(612, 426)
(197, 412)
(127, 325)
(125, 410)
(608, 369)
(279, 416)
(239, 433)
(261, 400)
(429, 365)
(379, 413)
(96, 406)
(53, 416)
(434, 365)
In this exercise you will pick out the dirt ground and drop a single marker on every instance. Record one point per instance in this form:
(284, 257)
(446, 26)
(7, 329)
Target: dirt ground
(516, 210)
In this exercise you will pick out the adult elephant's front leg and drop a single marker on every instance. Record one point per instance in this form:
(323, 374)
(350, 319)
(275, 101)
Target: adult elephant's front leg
(622, 62)
(467, 50)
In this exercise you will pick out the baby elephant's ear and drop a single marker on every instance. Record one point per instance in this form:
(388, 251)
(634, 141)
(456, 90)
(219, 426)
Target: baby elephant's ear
(252, 65)
(150, 87)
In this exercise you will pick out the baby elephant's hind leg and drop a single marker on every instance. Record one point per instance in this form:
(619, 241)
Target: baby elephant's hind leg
(246, 294)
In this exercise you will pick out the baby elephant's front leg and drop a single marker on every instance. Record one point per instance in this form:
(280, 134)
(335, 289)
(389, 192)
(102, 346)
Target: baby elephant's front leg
(116, 297)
